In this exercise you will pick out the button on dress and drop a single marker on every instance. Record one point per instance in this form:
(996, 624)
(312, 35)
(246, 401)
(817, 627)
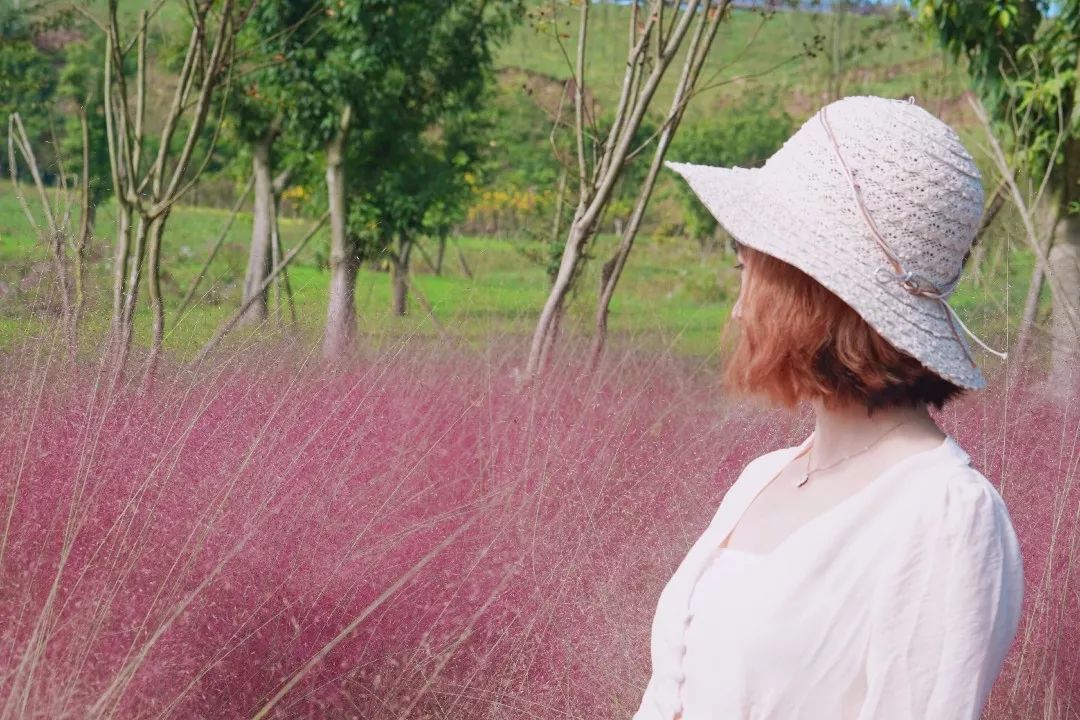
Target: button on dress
(898, 603)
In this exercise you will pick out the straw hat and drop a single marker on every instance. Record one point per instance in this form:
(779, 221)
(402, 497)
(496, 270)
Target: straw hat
(878, 201)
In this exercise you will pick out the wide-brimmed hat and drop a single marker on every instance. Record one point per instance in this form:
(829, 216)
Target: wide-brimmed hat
(878, 201)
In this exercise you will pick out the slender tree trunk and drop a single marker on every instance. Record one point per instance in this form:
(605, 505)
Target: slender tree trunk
(464, 263)
(697, 51)
(275, 242)
(595, 188)
(560, 203)
(341, 308)
(400, 287)
(56, 222)
(1065, 265)
(1031, 302)
(157, 304)
(399, 276)
(86, 224)
(275, 260)
(131, 291)
(552, 338)
(441, 254)
(550, 317)
(259, 253)
(1031, 310)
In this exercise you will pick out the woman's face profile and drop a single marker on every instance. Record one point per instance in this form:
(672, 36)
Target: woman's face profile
(744, 277)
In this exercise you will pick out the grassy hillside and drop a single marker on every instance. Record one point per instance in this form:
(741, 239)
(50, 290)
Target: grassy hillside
(752, 53)
(672, 292)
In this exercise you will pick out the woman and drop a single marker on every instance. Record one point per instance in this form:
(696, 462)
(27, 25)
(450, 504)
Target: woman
(869, 573)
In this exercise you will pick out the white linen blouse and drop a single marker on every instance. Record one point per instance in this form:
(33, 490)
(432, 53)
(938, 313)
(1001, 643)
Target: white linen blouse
(898, 603)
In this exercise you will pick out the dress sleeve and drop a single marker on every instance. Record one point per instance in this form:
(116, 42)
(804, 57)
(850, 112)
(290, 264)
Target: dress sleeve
(947, 606)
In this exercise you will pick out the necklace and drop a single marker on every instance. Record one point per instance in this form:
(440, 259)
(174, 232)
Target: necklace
(808, 473)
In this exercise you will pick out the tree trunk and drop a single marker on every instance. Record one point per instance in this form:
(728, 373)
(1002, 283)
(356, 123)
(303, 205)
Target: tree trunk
(341, 308)
(1064, 344)
(400, 300)
(464, 263)
(157, 305)
(1031, 310)
(441, 254)
(544, 335)
(131, 290)
(595, 189)
(560, 203)
(697, 52)
(1035, 286)
(1065, 266)
(399, 276)
(258, 266)
(86, 225)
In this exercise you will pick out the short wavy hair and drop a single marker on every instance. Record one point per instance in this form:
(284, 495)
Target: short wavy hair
(798, 341)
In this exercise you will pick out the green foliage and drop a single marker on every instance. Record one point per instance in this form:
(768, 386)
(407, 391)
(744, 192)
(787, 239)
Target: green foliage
(521, 155)
(419, 125)
(277, 36)
(27, 74)
(80, 85)
(744, 135)
(1023, 63)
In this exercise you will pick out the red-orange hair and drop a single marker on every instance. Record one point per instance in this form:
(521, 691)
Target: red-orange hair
(798, 341)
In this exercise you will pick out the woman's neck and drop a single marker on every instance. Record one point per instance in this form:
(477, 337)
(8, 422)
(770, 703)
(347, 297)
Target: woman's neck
(841, 432)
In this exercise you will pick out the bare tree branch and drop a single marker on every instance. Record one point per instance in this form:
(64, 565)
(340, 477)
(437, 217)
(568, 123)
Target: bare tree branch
(1031, 235)
(231, 323)
(214, 250)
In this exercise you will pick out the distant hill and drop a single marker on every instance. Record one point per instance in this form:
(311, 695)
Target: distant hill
(857, 53)
(789, 62)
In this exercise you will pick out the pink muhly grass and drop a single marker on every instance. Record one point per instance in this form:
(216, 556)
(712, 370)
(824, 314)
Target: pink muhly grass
(414, 534)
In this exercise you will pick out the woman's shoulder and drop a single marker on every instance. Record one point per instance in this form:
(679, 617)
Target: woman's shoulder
(948, 502)
(946, 484)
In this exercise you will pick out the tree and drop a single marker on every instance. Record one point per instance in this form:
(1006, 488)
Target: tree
(656, 35)
(147, 188)
(52, 142)
(27, 77)
(1023, 59)
(369, 88)
(417, 179)
(274, 39)
(417, 187)
(79, 89)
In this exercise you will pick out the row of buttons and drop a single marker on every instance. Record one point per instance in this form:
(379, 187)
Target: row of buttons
(680, 679)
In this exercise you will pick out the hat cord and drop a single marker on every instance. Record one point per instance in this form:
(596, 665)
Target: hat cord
(912, 282)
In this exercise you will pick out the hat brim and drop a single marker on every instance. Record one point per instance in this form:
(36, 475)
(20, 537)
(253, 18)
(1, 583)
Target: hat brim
(750, 206)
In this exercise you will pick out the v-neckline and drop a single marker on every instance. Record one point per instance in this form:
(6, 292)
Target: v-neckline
(946, 445)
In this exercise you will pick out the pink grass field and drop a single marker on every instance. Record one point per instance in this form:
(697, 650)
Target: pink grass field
(414, 535)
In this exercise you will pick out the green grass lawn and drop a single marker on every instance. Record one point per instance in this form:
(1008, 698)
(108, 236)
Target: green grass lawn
(672, 294)
(669, 288)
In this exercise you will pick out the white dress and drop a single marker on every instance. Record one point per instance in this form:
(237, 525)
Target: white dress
(898, 603)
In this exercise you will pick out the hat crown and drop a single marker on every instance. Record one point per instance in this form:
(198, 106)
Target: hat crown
(909, 171)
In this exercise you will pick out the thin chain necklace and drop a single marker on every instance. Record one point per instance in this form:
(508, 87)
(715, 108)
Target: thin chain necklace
(808, 473)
